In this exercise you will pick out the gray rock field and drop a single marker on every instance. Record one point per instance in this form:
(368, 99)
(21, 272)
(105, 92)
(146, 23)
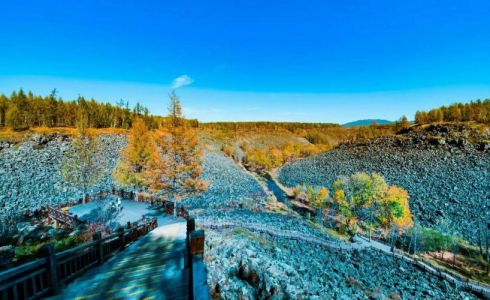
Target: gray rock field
(29, 172)
(229, 186)
(246, 265)
(446, 176)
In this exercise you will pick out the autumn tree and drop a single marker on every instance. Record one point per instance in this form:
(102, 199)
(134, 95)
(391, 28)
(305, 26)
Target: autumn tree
(421, 117)
(3, 109)
(81, 165)
(346, 207)
(367, 193)
(13, 117)
(176, 175)
(394, 209)
(318, 198)
(404, 123)
(137, 159)
(370, 199)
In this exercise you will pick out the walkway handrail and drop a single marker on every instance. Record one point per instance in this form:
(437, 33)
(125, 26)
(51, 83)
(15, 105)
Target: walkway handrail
(62, 217)
(45, 276)
(288, 234)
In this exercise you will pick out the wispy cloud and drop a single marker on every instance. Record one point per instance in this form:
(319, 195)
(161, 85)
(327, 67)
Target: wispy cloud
(181, 81)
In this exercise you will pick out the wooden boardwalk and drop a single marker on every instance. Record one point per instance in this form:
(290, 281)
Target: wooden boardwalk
(151, 268)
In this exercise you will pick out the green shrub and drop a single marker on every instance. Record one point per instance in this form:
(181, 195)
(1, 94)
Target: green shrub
(66, 243)
(28, 251)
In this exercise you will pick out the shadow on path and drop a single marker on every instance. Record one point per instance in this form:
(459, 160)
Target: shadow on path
(151, 268)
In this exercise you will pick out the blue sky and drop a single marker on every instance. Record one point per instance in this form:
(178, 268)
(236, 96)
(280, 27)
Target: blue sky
(317, 61)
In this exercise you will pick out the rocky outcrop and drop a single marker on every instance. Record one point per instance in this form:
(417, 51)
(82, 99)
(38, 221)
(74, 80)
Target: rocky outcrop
(29, 172)
(445, 169)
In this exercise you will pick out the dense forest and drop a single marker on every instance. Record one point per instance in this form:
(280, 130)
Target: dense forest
(23, 110)
(478, 111)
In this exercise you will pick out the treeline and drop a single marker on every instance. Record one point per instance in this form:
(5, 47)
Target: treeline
(264, 126)
(21, 111)
(478, 111)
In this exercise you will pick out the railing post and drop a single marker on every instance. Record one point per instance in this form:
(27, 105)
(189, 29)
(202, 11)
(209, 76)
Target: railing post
(50, 255)
(191, 226)
(99, 246)
(196, 242)
(199, 289)
(120, 233)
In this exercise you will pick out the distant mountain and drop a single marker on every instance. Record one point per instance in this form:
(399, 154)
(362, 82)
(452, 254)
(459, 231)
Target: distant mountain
(367, 122)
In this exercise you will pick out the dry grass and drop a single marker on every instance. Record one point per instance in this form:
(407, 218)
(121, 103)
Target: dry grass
(469, 267)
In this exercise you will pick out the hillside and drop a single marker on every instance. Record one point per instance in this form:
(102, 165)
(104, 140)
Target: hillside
(445, 169)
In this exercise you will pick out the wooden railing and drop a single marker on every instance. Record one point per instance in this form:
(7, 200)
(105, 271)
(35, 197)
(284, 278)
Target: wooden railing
(45, 276)
(61, 217)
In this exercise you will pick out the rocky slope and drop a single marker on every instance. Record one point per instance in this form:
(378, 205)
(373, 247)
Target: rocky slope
(29, 172)
(229, 185)
(445, 169)
(29, 175)
(246, 265)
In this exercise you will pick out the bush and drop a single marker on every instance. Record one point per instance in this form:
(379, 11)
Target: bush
(66, 243)
(28, 251)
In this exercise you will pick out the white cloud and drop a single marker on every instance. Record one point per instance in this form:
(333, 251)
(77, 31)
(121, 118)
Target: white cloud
(181, 81)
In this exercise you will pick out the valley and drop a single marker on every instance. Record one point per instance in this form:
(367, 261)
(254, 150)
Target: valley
(266, 264)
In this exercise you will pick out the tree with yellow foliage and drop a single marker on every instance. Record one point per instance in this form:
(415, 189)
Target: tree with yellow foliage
(346, 207)
(394, 209)
(176, 174)
(318, 198)
(137, 159)
(367, 192)
(367, 196)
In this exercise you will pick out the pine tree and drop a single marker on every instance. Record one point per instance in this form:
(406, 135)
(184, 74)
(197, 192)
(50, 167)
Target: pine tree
(81, 165)
(176, 175)
(137, 158)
